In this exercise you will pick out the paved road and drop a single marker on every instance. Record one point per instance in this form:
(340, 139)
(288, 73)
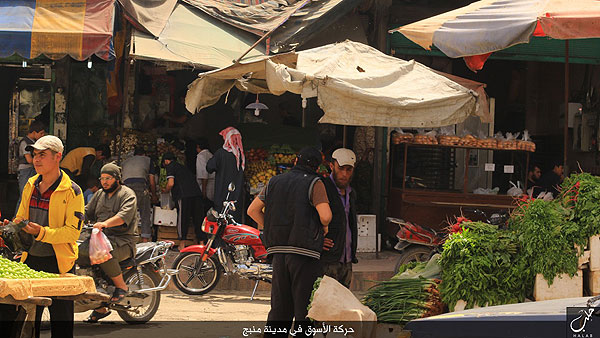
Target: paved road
(217, 314)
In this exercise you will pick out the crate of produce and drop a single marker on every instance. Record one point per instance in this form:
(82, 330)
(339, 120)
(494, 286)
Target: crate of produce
(563, 286)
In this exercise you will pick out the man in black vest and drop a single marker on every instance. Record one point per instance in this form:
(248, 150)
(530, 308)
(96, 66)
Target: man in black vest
(340, 244)
(295, 219)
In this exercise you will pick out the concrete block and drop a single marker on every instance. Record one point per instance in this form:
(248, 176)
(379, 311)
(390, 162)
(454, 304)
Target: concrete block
(563, 286)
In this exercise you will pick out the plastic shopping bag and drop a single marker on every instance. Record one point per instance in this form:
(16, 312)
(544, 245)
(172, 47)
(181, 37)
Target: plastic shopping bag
(100, 247)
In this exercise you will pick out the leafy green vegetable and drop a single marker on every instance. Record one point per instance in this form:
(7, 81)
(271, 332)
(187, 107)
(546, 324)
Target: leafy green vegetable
(407, 295)
(547, 233)
(312, 295)
(481, 265)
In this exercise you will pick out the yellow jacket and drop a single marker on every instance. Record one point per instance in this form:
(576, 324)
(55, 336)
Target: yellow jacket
(73, 160)
(65, 218)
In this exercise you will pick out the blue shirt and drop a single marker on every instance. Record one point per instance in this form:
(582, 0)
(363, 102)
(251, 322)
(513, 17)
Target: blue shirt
(347, 253)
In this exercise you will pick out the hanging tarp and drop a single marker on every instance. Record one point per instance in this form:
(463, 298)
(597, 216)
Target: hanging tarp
(151, 15)
(194, 38)
(294, 21)
(486, 26)
(55, 28)
(355, 84)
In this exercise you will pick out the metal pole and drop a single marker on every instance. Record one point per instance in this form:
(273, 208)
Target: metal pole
(566, 124)
(269, 33)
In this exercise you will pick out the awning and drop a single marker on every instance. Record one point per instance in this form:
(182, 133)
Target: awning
(78, 28)
(293, 21)
(151, 15)
(193, 37)
(355, 85)
(486, 26)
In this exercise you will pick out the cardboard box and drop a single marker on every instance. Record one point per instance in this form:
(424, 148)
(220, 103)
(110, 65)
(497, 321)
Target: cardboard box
(366, 244)
(594, 282)
(367, 225)
(165, 217)
(594, 246)
(563, 286)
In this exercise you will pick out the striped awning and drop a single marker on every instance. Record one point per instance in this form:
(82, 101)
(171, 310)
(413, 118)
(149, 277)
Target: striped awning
(55, 28)
(483, 27)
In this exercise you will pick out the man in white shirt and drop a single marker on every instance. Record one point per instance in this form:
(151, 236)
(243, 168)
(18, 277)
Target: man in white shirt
(205, 180)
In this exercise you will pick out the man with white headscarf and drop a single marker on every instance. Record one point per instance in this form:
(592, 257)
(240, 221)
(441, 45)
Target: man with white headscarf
(228, 164)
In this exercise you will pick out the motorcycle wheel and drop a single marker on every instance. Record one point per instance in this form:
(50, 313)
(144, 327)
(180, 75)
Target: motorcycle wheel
(150, 304)
(414, 254)
(191, 281)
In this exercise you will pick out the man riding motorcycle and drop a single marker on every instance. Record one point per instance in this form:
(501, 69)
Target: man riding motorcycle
(113, 209)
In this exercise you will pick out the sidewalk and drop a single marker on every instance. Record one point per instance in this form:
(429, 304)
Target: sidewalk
(370, 267)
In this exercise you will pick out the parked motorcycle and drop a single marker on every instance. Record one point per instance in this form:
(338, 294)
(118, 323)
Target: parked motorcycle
(232, 248)
(418, 243)
(145, 275)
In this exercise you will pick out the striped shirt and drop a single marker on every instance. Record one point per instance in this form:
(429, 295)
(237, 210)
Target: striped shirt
(38, 213)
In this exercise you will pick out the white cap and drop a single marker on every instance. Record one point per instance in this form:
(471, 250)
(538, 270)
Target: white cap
(47, 142)
(344, 157)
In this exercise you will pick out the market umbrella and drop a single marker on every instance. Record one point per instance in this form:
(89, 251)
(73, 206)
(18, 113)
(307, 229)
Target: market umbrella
(483, 27)
(354, 84)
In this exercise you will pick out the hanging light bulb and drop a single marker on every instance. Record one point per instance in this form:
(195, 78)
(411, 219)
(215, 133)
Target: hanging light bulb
(89, 64)
(304, 102)
(257, 106)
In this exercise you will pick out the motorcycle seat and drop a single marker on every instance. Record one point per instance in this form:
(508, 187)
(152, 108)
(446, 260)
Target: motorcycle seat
(143, 251)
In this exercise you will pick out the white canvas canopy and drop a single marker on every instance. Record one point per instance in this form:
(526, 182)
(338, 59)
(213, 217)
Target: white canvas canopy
(355, 84)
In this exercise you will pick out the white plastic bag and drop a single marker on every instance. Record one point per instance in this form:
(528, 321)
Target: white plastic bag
(516, 189)
(100, 247)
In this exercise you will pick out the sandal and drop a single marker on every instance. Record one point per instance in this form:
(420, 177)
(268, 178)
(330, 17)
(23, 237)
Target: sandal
(95, 316)
(118, 295)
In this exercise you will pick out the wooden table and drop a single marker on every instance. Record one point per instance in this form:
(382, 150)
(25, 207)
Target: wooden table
(27, 309)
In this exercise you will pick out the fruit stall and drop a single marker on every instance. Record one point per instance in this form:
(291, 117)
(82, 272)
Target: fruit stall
(27, 289)
(430, 175)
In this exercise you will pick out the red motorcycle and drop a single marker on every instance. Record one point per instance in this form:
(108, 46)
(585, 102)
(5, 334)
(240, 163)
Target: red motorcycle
(415, 242)
(232, 248)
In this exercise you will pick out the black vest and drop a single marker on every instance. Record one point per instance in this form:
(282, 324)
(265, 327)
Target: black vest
(292, 224)
(337, 226)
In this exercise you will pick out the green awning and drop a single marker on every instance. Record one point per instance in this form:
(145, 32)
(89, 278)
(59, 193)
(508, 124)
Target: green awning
(584, 51)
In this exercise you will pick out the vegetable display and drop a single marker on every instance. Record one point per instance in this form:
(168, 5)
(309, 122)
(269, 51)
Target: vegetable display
(547, 233)
(481, 266)
(16, 270)
(409, 295)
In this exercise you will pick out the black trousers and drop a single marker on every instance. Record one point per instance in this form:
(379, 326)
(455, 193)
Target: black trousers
(293, 280)
(191, 207)
(61, 311)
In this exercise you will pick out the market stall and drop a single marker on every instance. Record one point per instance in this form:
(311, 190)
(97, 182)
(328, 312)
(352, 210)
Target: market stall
(429, 184)
(27, 288)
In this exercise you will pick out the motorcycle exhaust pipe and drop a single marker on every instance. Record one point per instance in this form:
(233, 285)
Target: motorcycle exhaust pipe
(163, 283)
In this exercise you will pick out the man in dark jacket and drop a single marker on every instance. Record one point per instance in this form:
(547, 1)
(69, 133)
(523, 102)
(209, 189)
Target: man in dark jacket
(186, 193)
(340, 243)
(295, 219)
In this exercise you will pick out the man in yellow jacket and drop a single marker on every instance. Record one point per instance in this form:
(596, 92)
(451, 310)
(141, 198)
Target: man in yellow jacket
(54, 206)
(78, 162)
